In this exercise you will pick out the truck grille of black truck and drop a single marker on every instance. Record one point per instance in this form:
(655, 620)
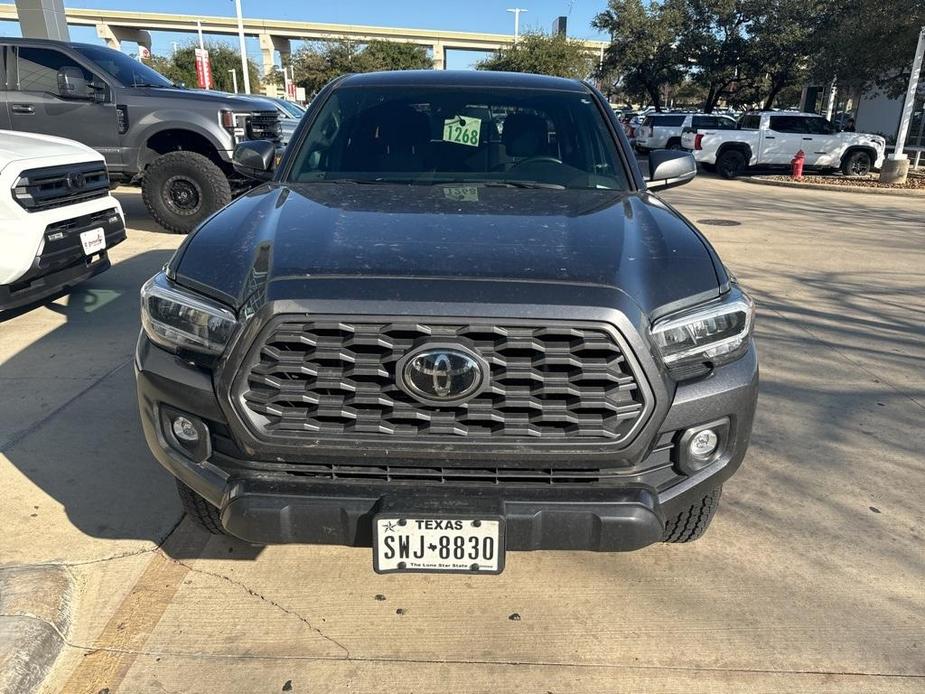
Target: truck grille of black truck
(54, 186)
(316, 379)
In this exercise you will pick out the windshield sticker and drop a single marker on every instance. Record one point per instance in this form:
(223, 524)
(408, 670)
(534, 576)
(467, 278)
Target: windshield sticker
(462, 130)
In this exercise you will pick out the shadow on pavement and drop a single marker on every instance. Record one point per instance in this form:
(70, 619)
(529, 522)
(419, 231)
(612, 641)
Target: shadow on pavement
(88, 452)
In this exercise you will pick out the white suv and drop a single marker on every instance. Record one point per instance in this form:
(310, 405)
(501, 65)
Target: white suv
(667, 130)
(57, 218)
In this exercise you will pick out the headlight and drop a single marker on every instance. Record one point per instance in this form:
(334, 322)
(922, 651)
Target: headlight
(716, 333)
(176, 319)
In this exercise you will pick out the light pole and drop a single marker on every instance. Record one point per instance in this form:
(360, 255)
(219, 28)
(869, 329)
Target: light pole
(896, 167)
(243, 48)
(234, 79)
(516, 12)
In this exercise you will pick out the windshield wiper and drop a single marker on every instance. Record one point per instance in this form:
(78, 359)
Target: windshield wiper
(522, 184)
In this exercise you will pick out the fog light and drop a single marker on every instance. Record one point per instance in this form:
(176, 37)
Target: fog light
(703, 444)
(185, 430)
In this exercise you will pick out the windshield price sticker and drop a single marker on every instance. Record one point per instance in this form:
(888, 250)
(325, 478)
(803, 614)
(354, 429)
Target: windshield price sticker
(462, 130)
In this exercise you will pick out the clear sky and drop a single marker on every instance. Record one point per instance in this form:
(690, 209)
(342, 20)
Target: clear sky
(465, 15)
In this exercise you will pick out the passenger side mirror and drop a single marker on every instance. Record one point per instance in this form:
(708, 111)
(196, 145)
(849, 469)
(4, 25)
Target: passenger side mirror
(255, 159)
(73, 84)
(669, 168)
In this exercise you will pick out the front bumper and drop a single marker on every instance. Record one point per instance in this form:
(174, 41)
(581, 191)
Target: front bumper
(62, 264)
(270, 500)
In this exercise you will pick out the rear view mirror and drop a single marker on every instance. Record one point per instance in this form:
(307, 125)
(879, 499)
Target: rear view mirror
(255, 159)
(669, 168)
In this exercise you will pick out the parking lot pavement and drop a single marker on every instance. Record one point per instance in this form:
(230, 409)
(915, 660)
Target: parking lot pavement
(812, 577)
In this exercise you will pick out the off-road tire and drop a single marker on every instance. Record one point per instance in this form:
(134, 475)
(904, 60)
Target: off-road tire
(857, 163)
(203, 514)
(693, 522)
(731, 163)
(175, 172)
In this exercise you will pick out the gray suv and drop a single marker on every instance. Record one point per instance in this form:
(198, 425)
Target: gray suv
(176, 142)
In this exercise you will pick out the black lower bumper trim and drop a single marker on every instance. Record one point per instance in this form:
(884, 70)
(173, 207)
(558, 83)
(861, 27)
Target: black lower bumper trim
(607, 520)
(52, 273)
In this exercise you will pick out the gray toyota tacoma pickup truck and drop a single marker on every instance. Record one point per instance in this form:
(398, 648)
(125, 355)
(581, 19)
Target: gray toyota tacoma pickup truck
(453, 322)
(176, 142)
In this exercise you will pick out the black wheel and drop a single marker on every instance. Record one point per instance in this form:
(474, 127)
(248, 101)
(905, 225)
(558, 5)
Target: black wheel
(856, 163)
(693, 522)
(731, 163)
(674, 143)
(180, 189)
(203, 514)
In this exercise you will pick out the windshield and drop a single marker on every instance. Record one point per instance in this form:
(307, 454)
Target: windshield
(294, 110)
(130, 72)
(516, 137)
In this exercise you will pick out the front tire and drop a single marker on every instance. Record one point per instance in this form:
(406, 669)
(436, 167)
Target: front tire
(181, 189)
(731, 164)
(692, 522)
(200, 511)
(857, 163)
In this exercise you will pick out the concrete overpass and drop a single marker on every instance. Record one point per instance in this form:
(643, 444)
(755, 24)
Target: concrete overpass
(275, 35)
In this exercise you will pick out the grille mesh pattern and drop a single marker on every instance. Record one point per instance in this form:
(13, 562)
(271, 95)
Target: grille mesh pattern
(263, 125)
(338, 378)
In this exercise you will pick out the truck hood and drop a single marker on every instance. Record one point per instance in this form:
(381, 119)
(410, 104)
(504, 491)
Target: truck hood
(219, 100)
(631, 242)
(19, 146)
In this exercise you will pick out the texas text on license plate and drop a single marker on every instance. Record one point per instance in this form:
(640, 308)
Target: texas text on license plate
(439, 544)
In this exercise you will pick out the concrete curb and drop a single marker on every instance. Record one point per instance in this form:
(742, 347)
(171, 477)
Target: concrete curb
(758, 180)
(35, 616)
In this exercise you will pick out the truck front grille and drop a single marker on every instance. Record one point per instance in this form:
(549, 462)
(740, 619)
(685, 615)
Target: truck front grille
(263, 125)
(317, 379)
(55, 186)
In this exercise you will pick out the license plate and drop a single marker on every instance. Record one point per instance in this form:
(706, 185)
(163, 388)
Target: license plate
(438, 544)
(93, 241)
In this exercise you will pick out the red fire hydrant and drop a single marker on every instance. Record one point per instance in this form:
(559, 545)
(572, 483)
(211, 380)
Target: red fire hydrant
(796, 165)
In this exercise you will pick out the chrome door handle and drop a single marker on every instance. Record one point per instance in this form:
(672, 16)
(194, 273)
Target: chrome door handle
(24, 109)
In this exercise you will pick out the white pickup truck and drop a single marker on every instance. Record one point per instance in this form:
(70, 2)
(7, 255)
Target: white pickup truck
(57, 218)
(772, 138)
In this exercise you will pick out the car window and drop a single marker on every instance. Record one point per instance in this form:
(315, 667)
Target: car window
(669, 121)
(789, 124)
(750, 122)
(38, 69)
(432, 135)
(130, 72)
(819, 126)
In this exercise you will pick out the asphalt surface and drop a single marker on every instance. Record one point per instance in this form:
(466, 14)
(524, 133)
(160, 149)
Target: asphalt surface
(812, 577)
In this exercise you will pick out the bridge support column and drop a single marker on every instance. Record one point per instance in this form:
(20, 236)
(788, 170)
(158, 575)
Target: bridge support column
(439, 56)
(42, 19)
(114, 36)
(269, 45)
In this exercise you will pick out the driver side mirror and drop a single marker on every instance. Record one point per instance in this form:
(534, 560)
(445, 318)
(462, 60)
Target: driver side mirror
(73, 84)
(669, 168)
(255, 159)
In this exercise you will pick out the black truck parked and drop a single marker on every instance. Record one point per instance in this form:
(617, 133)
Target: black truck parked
(453, 322)
(176, 142)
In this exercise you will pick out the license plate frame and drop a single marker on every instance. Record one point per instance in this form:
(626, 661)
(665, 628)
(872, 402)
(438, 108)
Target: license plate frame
(482, 518)
(93, 241)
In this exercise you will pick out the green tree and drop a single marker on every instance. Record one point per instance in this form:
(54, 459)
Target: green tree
(643, 55)
(713, 42)
(181, 67)
(868, 43)
(316, 64)
(542, 54)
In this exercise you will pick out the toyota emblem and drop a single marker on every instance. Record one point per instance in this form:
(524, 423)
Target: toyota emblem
(439, 375)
